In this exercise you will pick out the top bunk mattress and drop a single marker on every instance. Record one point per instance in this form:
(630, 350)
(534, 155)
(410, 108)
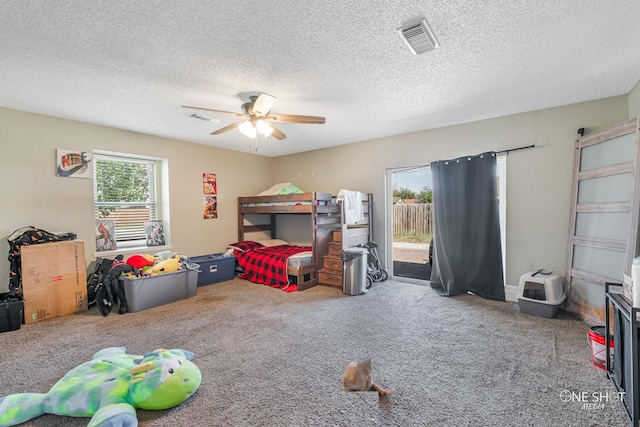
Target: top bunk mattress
(289, 203)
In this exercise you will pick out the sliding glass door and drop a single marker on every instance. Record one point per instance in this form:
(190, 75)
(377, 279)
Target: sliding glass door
(411, 215)
(409, 225)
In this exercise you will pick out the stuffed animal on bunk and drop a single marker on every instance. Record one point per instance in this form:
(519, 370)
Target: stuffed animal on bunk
(110, 387)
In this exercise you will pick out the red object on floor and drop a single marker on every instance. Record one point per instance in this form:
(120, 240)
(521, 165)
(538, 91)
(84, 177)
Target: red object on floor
(598, 346)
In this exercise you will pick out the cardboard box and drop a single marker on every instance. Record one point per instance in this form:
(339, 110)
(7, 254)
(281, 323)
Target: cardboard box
(159, 289)
(54, 280)
(214, 268)
(626, 287)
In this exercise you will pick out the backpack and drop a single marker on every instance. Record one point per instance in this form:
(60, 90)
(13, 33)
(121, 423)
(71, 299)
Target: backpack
(94, 279)
(108, 289)
(25, 236)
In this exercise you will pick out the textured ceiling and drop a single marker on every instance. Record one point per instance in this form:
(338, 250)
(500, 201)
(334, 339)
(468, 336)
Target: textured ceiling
(131, 65)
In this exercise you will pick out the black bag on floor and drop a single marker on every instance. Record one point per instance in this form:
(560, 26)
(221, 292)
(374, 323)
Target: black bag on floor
(24, 236)
(108, 289)
(94, 280)
(11, 312)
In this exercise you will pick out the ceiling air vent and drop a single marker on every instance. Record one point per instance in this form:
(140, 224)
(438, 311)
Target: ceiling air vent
(419, 38)
(199, 117)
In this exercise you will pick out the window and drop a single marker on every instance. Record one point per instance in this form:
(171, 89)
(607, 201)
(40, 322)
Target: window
(125, 191)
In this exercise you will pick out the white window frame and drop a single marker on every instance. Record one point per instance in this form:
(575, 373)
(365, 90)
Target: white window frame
(155, 202)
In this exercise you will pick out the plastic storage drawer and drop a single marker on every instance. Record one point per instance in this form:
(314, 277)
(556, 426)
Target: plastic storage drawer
(214, 268)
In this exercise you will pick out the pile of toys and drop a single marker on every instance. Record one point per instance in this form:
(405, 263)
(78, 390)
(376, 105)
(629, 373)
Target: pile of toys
(147, 265)
(103, 287)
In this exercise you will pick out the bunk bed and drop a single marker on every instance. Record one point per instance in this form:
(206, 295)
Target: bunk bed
(326, 218)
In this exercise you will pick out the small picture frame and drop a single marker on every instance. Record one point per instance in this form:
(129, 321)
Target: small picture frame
(210, 208)
(106, 235)
(209, 183)
(154, 232)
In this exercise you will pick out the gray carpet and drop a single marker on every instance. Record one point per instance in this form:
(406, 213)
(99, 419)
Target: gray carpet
(274, 358)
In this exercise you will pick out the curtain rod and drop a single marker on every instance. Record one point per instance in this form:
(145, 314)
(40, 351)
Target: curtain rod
(497, 152)
(515, 149)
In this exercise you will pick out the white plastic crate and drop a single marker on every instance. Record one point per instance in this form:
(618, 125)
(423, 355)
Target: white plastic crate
(540, 294)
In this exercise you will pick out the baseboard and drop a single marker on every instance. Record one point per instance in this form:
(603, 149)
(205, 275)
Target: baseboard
(510, 293)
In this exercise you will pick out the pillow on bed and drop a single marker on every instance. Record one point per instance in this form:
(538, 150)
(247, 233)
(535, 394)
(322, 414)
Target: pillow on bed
(244, 246)
(272, 242)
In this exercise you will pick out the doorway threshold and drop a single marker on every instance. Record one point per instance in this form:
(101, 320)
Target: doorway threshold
(412, 270)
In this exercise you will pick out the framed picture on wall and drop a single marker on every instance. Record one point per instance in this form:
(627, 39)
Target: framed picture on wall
(209, 183)
(73, 164)
(210, 210)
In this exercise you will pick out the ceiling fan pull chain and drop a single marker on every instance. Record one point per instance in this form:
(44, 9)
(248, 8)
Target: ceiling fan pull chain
(256, 143)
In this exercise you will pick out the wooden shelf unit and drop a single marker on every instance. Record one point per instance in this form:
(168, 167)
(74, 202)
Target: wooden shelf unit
(348, 236)
(625, 345)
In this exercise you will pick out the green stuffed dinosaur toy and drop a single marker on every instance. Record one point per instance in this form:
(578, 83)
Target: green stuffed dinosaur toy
(110, 387)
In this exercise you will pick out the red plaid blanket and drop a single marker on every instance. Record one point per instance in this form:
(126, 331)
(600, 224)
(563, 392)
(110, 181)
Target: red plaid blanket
(268, 265)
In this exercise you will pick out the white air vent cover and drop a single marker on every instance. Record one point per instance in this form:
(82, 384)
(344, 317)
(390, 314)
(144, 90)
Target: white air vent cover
(419, 38)
(199, 117)
(204, 118)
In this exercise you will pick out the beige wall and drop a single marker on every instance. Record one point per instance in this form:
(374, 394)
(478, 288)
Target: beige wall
(32, 194)
(538, 180)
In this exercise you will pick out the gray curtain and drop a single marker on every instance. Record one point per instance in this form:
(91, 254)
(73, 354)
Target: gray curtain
(467, 254)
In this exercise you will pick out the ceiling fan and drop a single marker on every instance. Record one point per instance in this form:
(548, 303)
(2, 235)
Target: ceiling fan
(257, 118)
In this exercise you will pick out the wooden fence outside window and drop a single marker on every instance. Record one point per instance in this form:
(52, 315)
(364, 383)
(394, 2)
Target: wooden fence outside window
(413, 219)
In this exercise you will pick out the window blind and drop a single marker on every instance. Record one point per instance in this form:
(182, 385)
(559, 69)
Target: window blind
(124, 190)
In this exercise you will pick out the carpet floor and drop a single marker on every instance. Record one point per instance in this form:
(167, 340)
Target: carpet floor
(272, 358)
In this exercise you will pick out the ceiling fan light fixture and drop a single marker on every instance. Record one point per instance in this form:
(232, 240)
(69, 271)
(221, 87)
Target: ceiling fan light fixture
(256, 118)
(264, 128)
(248, 129)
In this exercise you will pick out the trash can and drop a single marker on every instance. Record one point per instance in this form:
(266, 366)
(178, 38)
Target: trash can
(354, 261)
(596, 336)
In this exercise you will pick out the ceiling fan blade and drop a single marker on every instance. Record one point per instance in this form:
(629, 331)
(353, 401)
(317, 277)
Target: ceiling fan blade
(263, 104)
(227, 128)
(277, 133)
(291, 118)
(215, 111)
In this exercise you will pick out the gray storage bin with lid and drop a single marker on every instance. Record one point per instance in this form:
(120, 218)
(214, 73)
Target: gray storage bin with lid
(214, 268)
